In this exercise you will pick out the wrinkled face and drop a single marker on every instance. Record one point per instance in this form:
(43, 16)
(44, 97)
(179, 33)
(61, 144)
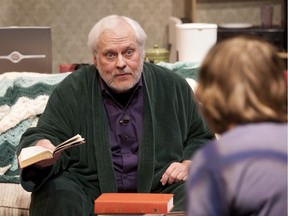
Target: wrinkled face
(118, 59)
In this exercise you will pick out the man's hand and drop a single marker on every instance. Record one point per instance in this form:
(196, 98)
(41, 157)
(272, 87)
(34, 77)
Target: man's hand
(49, 162)
(176, 172)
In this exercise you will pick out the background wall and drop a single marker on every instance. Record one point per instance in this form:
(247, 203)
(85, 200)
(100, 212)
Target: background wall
(221, 11)
(72, 20)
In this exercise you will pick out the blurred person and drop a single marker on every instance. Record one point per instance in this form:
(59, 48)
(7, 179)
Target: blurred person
(139, 120)
(243, 97)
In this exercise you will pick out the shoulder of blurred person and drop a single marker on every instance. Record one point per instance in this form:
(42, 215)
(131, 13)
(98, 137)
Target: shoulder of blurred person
(243, 95)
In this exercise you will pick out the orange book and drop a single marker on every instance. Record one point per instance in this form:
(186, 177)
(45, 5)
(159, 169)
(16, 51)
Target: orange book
(133, 203)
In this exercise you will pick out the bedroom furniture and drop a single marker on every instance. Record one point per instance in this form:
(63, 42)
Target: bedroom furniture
(277, 35)
(274, 34)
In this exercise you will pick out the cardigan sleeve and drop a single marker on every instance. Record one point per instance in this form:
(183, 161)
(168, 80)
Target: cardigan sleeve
(176, 118)
(55, 124)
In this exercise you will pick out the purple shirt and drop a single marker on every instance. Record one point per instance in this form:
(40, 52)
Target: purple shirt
(125, 115)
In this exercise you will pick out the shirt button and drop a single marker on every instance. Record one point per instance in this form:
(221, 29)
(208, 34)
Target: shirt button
(126, 138)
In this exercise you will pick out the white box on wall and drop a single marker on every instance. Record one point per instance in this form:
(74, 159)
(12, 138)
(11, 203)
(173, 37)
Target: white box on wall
(193, 40)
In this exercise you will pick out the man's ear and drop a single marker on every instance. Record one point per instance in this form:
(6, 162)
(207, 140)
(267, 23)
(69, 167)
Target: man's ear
(95, 60)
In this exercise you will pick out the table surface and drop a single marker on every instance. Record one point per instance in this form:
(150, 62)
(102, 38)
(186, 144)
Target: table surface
(179, 213)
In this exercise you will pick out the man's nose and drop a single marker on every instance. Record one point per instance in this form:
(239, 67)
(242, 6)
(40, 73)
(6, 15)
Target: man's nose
(120, 61)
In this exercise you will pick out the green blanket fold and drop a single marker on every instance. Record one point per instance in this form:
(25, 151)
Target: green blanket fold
(23, 97)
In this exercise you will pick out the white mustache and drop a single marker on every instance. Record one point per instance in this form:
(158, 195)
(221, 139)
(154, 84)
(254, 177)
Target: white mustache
(125, 70)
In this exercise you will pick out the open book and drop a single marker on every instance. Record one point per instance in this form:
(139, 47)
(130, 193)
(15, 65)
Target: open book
(34, 154)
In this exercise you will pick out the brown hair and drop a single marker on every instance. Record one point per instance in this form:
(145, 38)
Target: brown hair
(242, 80)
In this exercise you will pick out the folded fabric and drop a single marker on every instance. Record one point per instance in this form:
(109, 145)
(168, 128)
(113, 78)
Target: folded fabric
(23, 97)
(185, 69)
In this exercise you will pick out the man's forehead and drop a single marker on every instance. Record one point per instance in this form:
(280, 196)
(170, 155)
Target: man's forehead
(110, 40)
(123, 46)
(117, 33)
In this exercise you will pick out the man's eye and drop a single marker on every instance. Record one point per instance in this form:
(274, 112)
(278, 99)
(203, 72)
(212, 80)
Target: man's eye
(109, 55)
(129, 53)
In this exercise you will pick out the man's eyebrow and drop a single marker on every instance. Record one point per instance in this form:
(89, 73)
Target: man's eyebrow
(108, 50)
(129, 46)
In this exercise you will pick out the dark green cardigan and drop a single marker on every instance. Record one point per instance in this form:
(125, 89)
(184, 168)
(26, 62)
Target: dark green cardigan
(172, 130)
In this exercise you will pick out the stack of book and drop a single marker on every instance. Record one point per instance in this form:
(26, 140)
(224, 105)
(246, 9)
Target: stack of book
(133, 204)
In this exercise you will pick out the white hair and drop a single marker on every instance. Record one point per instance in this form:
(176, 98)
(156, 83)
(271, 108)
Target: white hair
(111, 23)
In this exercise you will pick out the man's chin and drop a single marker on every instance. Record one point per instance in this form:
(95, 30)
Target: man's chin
(122, 86)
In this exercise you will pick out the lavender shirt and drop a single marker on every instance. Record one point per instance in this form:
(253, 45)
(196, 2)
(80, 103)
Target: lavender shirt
(242, 173)
(125, 115)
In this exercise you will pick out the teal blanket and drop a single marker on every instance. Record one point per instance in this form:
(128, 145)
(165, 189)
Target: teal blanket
(23, 97)
(187, 70)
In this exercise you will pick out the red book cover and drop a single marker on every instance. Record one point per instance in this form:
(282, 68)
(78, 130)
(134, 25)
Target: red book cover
(133, 203)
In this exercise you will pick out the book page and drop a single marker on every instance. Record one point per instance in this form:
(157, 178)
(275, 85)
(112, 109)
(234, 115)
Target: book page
(32, 151)
(76, 140)
(34, 154)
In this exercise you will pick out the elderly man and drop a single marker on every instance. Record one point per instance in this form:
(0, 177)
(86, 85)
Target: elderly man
(139, 120)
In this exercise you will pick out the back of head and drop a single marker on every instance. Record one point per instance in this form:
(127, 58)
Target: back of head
(242, 81)
(114, 23)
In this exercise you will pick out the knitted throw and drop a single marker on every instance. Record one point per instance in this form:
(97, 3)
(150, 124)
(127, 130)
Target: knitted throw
(23, 97)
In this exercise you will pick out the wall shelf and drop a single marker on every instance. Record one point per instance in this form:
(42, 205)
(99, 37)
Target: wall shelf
(195, 2)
